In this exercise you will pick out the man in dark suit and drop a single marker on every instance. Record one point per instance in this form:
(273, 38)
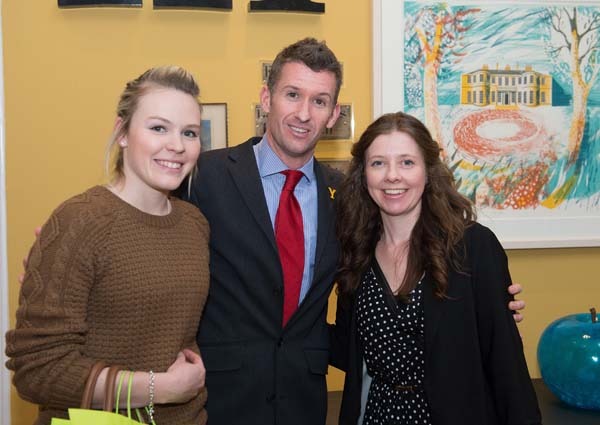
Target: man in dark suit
(262, 368)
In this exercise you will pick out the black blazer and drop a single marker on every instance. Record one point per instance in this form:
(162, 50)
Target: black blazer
(475, 370)
(257, 372)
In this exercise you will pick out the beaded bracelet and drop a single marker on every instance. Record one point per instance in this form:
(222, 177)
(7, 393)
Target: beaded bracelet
(151, 397)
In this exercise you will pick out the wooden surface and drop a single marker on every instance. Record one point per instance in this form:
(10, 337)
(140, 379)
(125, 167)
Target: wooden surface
(554, 412)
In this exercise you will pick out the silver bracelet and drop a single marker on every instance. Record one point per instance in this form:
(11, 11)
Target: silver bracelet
(151, 397)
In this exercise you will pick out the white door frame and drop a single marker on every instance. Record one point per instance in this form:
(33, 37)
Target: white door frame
(4, 324)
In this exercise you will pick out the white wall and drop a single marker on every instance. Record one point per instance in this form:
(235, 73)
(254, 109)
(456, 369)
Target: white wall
(4, 374)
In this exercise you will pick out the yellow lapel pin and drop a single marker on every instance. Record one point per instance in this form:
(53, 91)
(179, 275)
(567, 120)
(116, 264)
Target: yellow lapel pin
(331, 192)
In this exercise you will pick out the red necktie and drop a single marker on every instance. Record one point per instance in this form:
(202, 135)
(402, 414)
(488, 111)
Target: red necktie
(289, 234)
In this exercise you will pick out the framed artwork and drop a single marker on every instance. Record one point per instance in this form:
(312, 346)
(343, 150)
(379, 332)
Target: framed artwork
(510, 91)
(93, 3)
(260, 120)
(265, 70)
(344, 126)
(201, 4)
(214, 126)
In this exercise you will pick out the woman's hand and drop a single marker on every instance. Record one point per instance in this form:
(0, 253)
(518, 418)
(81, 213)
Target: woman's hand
(182, 381)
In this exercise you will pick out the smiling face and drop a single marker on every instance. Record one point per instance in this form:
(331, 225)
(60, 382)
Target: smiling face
(162, 144)
(301, 105)
(396, 175)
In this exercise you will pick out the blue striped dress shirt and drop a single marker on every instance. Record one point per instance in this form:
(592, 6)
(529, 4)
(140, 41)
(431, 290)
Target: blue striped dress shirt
(270, 168)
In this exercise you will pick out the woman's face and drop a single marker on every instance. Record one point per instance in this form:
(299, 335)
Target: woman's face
(396, 175)
(163, 141)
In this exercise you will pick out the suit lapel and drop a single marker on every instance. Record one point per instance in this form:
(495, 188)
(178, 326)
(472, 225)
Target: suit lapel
(326, 214)
(246, 177)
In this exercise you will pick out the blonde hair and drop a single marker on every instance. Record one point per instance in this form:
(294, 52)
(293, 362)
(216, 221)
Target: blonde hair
(171, 77)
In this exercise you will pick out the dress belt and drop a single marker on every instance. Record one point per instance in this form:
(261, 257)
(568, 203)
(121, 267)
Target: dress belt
(406, 388)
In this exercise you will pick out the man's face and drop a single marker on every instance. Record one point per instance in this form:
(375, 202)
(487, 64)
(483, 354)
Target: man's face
(300, 107)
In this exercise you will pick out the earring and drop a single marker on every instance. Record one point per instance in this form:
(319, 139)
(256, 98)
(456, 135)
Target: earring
(123, 143)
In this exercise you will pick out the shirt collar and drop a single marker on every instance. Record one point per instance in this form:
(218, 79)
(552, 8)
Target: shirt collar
(269, 163)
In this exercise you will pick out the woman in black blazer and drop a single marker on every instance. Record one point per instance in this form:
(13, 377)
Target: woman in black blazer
(422, 293)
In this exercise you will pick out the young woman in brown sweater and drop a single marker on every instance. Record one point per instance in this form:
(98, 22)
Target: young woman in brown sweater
(119, 273)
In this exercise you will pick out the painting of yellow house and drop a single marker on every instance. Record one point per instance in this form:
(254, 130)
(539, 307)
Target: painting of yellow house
(506, 88)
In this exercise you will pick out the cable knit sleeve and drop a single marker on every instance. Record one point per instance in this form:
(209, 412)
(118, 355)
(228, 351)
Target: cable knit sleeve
(46, 349)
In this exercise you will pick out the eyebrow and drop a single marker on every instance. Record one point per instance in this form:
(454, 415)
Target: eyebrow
(289, 86)
(402, 154)
(154, 117)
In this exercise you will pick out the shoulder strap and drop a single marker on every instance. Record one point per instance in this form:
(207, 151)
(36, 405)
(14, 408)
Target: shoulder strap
(109, 388)
(90, 385)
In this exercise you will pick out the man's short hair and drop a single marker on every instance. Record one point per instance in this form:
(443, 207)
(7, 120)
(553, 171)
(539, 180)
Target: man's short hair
(312, 53)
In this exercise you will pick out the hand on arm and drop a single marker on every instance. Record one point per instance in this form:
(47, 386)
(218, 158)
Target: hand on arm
(182, 381)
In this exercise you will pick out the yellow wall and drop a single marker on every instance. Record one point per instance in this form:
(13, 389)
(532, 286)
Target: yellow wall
(64, 70)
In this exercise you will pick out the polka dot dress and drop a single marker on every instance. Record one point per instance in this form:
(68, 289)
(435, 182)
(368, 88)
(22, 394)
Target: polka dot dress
(392, 336)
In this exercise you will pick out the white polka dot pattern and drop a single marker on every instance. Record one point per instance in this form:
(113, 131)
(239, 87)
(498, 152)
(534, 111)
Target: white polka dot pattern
(392, 337)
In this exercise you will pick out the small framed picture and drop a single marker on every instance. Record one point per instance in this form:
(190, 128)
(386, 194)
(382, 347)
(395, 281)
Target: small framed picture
(97, 3)
(265, 70)
(213, 134)
(260, 120)
(344, 126)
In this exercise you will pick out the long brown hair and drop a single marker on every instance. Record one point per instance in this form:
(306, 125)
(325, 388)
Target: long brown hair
(445, 213)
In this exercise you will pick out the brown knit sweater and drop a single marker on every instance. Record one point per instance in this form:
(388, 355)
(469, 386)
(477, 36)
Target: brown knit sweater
(108, 282)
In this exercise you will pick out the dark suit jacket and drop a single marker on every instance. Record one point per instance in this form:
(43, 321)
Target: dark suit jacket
(475, 370)
(257, 372)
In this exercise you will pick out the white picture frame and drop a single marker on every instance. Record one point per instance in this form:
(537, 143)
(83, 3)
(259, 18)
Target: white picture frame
(214, 126)
(535, 228)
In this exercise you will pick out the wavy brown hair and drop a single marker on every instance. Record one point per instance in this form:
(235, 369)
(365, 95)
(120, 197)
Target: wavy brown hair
(445, 214)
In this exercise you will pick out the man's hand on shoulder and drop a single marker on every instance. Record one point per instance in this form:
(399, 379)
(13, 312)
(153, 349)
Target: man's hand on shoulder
(516, 305)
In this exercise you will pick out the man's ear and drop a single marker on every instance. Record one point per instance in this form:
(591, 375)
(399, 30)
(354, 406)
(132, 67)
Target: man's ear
(265, 99)
(335, 114)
